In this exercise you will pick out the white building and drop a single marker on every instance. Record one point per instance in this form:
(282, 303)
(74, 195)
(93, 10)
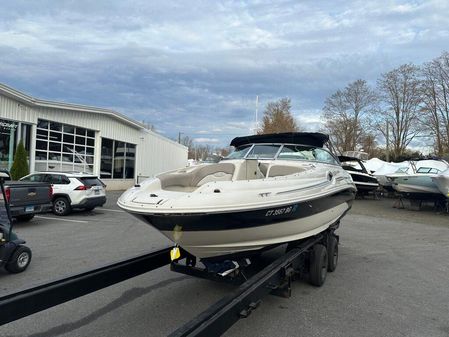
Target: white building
(70, 137)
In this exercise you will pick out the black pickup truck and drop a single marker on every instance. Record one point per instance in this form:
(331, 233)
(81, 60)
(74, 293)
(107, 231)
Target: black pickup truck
(27, 198)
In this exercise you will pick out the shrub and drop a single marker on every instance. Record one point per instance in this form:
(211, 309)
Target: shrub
(20, 166)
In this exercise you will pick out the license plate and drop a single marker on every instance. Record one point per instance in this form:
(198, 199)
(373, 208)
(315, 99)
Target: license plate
(97, 191)
(29, 209)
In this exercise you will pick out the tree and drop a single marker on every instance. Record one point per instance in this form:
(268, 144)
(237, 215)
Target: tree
(369, 144)
(20, 166)
(401, 98)
(435, 101)
(346, 114)
(188, 142)
(278, 118)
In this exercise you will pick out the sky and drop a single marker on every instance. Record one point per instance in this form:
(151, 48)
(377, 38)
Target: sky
(196, 67)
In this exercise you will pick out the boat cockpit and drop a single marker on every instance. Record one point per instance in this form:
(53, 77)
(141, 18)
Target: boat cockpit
(248, 162)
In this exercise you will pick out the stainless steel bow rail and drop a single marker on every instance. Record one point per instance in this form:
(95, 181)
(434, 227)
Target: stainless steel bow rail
(274, 278)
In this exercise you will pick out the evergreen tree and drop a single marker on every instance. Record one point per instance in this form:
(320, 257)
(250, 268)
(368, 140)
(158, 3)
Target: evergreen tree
(20, 166)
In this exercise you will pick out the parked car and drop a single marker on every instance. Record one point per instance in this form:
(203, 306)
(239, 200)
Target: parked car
(72, 190)
(27, 198)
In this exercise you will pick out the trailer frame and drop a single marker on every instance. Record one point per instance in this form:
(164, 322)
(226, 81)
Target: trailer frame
(275, 278)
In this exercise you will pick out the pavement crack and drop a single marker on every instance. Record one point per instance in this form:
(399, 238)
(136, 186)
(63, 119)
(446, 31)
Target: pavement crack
(127, 297)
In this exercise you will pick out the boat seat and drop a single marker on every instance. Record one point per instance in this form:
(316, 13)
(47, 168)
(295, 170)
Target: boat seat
(190, 181)
(214, 172)
(263, 168)
(282, 170)
(180, 188)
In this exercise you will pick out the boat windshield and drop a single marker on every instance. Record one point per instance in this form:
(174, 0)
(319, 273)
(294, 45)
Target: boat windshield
(239, 152)
(301, 152)
(428, 170)
(266, 151)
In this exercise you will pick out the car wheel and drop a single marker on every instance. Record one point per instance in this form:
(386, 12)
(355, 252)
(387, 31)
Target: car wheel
(61, 206)
(20, 260)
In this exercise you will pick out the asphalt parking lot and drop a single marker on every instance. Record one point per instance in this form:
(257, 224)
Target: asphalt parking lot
(392, 280)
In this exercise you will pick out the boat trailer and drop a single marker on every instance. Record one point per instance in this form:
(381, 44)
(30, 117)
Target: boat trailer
(307, 256)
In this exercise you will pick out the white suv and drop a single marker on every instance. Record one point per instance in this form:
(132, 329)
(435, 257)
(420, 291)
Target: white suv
(72, 190)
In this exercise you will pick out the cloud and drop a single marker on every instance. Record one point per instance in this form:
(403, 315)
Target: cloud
(182, 70)
(206, 140)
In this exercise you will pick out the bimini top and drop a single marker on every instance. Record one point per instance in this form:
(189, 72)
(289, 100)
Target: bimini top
(304, 138)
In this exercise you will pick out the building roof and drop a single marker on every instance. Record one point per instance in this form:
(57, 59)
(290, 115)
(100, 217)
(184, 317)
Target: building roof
(303, 138)
(10, 92)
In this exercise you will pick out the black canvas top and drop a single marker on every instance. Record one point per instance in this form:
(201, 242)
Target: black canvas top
(347, 158)
(305, 138)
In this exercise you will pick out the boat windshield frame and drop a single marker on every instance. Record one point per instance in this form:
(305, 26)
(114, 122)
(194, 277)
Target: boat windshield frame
(281, 147)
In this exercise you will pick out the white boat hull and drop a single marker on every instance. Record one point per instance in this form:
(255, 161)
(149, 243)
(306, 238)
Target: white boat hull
(229, 242)
(442, 183)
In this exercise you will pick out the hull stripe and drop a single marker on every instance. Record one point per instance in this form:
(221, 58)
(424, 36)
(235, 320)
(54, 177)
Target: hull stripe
(246, 219)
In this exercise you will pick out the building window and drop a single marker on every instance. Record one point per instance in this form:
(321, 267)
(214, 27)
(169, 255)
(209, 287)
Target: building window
(10, 133)
(117, 159)
(61, 147)
(8, 144)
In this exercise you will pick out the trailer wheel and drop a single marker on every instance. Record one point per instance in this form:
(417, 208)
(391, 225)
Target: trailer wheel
(332, 253)
(20, 260)
(318, 265)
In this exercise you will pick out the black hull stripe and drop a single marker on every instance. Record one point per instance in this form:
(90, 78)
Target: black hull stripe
(247, 219)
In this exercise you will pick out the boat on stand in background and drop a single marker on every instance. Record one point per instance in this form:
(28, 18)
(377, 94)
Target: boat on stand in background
(420, 183)
(272, 189)
(364, 181)
(442, 182)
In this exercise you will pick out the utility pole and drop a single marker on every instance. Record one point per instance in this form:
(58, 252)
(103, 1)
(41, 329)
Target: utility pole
(179, 137)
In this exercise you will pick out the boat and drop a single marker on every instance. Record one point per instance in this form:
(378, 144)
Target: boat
(387, 169)
(419, 184)
(363, 180)
(272, 189)
(442, 182)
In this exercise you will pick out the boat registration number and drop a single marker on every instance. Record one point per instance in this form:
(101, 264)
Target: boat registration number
(281, 211)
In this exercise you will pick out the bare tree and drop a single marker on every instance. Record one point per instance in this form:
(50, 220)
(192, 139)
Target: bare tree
(369, 144)
(187, 141)
(278, 117)
(435, 103)
(400, 95)
(346, 114)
